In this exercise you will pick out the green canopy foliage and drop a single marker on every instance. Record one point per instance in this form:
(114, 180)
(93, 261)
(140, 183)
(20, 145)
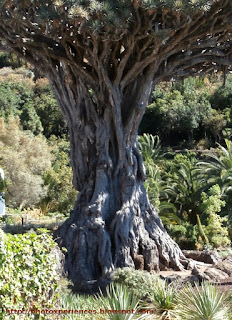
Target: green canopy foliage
(98, 13)
(33, 103)
(159, 32)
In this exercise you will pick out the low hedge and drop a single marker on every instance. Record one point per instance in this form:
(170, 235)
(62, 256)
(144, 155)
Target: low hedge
(29, 278)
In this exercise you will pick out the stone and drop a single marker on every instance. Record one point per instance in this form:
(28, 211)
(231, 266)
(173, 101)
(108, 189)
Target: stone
(139, 262)
(171, 278)
(201, 276)
(228, 258)
(226, 266)
(191, 279)
(59, 258)
(191, 265)
(210, 257)
(215, 274)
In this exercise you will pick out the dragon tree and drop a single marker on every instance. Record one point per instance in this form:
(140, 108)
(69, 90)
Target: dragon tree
(102, 59)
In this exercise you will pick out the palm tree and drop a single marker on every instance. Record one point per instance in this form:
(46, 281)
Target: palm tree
(152, 152)
(184, 188)
(150, 147)
(218, 168)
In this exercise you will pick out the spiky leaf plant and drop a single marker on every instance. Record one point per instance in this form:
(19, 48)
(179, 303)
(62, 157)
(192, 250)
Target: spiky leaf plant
(164, 298)
(122, 304)
(203, 303)
(87, 306)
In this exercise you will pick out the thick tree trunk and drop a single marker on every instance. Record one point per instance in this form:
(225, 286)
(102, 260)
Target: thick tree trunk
(113, 223)
(113, 226)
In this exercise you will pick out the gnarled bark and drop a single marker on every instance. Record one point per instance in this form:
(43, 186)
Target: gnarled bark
(113, 221)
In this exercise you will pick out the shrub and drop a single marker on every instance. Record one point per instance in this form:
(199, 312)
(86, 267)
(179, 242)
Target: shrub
(28, 272)
(61, 194)
(185, 234)
(141, 283)
(25, 159)
(218, 235)
(177, 113)
(211, 205)
(117, 297)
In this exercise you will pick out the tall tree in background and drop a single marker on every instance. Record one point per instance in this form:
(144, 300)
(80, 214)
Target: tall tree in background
(102, 59)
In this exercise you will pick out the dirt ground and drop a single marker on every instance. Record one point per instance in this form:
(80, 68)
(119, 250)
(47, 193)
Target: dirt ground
(186, 273)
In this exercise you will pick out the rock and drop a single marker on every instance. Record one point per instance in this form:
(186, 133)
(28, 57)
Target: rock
(200, 275)
(225, 266)
(139, 262)
(191, 279)
(180, 282)
(60, 259)
(191, 264)
(163, 267)
(228, 258)
(211, 257)
(215, 274)
(172, 278)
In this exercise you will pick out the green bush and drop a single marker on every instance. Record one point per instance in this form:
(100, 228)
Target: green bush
(10, 60)
(212, 206)
(46, 107)
(141, 283)
(185, 234)
(28, 272)
(177, 113)
(31, 156)
(61, 195)
(222, 97)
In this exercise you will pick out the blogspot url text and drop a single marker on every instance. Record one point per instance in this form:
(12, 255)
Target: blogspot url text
(79, 312)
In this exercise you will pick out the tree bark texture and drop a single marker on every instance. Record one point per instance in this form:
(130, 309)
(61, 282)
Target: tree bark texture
(113, 223)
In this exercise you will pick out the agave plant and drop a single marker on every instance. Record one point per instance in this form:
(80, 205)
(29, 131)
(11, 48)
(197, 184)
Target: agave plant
(202, 303)
(86, 304)
(120, 298)
(164, 299)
